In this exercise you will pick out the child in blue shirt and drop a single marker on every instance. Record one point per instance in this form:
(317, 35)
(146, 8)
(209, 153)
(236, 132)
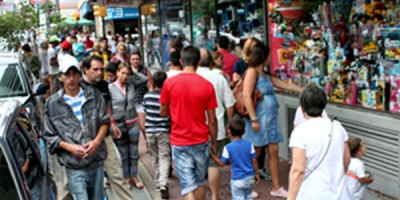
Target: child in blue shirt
(242, 157)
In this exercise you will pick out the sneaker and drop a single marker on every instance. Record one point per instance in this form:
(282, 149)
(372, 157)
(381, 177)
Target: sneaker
(254, 195)
(264, 175)
(281, 192)
(164, 193)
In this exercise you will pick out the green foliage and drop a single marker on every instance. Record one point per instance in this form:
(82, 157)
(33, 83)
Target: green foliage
(13, 25)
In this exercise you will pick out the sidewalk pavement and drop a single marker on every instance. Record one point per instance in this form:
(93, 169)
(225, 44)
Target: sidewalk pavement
(145, 170)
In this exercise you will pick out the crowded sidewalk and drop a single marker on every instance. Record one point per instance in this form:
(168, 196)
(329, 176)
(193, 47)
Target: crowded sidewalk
(262, 188)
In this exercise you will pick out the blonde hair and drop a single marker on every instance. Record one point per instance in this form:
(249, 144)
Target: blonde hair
(248, 47)
(120, 45)
(123, 65)
(215, 55)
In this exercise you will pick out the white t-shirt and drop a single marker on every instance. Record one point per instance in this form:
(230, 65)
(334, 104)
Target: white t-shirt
(172, 73)
(328, 180)
(299, 117)
(51, 53)
(225, 98)
(356, 188)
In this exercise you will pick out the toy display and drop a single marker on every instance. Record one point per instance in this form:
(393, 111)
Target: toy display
(351, 49)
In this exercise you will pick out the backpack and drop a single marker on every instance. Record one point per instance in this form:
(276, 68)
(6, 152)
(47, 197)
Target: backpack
(239, 106)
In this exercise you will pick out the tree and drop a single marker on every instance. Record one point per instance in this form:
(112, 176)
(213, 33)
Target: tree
(14, 24)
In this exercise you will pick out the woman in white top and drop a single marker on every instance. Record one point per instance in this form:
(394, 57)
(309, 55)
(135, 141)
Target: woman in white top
(320, 153)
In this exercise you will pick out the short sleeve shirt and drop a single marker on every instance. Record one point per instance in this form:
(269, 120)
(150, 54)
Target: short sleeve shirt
(240, 153)
(313, 137)
(356, 171)
(189, 96)
(299, 117)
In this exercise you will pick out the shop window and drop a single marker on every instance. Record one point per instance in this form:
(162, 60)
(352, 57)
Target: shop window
(151, 35)
(349, 48)
(239, 20)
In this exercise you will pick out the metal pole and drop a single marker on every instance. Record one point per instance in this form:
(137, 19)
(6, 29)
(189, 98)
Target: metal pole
(47, 18)
(104, 26)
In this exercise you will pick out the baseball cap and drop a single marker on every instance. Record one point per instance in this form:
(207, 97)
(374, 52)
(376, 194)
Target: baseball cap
(66, 45)
(53, 39)
(69, 62)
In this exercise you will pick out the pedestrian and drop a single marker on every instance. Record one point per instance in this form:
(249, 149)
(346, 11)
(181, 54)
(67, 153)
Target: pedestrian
(157, 134)
(93, 76)
(262, 125)
(243, 160)
(155, 48)
(78, 48)
(104, 51)
(142, 89)
(228, 57)
(111, 71)
(124, 119)
(44, 68)
(357, 178)
(299, 117)
(121, 55)
(76, 124)
(218, 63)
(31, 61)
(320, 152)
(225, 101)
(204, 41)
(53, 64)
(175, 67)
(190, 132)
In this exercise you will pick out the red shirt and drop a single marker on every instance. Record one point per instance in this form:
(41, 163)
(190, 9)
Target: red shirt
(188, 96)
(229, 61)
(88, 44)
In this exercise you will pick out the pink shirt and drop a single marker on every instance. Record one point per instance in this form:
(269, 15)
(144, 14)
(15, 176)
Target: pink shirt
(229, 61)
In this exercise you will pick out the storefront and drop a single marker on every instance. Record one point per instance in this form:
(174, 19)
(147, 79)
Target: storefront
(122, 21)
(351, 49)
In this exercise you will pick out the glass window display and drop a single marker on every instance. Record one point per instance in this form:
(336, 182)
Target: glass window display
(350, 48)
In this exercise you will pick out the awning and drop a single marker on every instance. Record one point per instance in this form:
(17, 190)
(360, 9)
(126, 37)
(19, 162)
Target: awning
(81, 22)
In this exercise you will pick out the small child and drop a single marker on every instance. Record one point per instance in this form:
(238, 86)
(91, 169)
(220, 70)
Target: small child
(357, 178)
(242, 157)
(157, 134)
(111, 71)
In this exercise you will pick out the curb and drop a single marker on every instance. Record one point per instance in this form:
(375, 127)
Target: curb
(148, 182)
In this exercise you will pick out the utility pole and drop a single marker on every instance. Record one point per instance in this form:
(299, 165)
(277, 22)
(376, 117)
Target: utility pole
(47, 18)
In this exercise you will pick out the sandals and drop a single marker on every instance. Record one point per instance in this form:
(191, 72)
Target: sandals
(136, 182)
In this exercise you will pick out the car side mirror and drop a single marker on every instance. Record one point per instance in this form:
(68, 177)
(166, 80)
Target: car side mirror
(41, 89)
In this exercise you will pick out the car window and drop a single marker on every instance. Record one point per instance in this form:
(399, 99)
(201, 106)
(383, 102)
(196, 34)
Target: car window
(8, 189)
(11, 81)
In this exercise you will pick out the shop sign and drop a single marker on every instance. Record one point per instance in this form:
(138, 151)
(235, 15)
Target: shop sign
(122, 13)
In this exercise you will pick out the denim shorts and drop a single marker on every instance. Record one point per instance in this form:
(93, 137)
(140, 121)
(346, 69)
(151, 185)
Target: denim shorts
(191, 165)
(241, 189)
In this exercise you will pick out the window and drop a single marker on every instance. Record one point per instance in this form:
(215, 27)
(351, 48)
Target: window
(11, 81)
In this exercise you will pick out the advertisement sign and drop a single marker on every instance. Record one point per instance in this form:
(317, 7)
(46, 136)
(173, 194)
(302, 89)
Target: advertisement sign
(122, 13)
(37, 2)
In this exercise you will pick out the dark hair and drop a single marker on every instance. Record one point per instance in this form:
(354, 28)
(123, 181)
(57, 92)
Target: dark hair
(313, 100)
(175, 58)
(26, 48)
(74, 37)
(159, 77)
(236, 126)
(86, 63)
(223, 42)
(112, 67)
(354, 146)
(190, 56)
(136, 53)
(207, 60)
(258, 55)
(177, 45)
(103, 38)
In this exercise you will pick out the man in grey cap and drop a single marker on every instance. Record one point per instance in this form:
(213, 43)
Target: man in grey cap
(76, 124)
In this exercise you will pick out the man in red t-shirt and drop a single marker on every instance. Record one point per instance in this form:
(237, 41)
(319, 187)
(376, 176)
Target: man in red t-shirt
(187, 98)
(228, 57)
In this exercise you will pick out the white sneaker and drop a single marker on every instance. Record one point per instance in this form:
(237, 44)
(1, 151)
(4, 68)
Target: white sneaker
(281, 192)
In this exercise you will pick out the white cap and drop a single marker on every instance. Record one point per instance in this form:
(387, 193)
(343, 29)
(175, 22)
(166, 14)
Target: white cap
(67, 63)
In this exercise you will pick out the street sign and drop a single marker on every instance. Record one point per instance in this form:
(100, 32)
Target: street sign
(6, 6)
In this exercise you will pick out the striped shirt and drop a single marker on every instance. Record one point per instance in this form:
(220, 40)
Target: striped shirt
(76, 104)
(154, 123)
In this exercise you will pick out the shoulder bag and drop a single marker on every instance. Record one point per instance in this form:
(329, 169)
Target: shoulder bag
(239, 106)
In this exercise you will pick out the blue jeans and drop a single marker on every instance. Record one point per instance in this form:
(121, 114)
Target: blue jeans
(191, 164)
(85, 184)
(241, 189)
